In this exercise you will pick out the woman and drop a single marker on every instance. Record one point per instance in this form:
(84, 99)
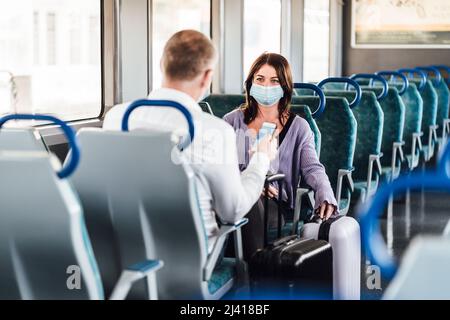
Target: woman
(269, 89)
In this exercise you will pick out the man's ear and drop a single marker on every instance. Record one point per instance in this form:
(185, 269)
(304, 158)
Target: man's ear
(207, 78)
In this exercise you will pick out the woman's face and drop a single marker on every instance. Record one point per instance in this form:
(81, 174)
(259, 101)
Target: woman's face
(266, 76)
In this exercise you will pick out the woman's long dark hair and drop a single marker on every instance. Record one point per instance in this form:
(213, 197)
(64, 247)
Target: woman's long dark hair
(284, 73)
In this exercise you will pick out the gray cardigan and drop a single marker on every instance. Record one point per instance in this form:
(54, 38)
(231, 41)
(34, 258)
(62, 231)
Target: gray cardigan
(297, 158)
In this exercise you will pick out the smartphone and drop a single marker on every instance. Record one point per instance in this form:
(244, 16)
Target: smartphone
(266, 129)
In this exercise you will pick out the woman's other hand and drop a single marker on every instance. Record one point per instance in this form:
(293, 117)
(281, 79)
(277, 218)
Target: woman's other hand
(271, 192)
(267, 145)
(326, 210)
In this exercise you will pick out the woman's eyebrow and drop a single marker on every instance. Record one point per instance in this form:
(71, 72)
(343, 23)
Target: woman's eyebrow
(274, 78)
(259, 75)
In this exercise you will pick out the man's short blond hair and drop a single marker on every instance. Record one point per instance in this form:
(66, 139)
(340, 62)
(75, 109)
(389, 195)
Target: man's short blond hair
(187, 54)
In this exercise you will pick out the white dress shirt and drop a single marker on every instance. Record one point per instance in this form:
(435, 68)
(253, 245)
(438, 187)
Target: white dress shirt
(223, 190)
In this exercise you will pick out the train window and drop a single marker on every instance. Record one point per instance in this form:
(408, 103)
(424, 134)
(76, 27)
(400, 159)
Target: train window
(50, 58)
(262, 29)
(316, 52)
(171, 16)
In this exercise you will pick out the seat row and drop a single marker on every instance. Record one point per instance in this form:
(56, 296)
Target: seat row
(368, 127)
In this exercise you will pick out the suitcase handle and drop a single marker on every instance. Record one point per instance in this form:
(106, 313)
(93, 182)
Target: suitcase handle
(269, 179)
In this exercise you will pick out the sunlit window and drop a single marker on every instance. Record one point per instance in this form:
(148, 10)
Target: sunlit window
(50, 57)
(262, 29)
(316, 40)
(171, 16)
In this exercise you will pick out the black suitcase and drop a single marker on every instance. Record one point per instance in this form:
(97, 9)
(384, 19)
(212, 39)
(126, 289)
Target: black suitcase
(290, 267)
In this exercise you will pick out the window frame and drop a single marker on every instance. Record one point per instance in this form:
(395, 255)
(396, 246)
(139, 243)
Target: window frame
(282, 42)
(150, 28)
(331, 39)
(52, 134)
(43, 128)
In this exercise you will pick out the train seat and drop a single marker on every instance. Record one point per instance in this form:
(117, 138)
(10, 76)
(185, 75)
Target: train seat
(413, 102)
(47, 254)
(392, 141)
(369, 116)
(338, 128)
(442, 116)
(430, 107)
(140, 198)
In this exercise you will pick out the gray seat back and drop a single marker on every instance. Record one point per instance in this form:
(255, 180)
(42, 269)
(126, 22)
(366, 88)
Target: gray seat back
(140, 205)
(43, 240)
(21, 140)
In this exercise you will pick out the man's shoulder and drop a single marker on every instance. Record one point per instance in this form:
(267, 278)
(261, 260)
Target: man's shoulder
(211, 121)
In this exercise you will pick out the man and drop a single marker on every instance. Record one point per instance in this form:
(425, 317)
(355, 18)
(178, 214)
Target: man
(187, 65)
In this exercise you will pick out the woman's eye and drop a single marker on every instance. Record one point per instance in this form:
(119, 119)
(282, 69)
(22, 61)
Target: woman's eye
(275, 81)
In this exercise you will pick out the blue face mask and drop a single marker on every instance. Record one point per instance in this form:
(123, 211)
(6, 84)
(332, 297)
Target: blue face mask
(266, 96)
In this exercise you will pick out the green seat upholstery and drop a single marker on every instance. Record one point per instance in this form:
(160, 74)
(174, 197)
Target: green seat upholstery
(361, 187)
(305, 112)
(224, 273)
(370, 119)
(338, 128)
(413, 123)
(394, 122)
(221, 104)
(285, 231)
(344, 205)
(430, 109)
(330, 86)
(443, 106)
(363, 82)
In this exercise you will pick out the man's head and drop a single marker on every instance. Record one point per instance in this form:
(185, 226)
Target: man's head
(188, 62)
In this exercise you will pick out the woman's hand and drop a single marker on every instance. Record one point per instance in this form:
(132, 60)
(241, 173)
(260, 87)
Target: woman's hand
(326, 210)
(272, 192)
(267, 145)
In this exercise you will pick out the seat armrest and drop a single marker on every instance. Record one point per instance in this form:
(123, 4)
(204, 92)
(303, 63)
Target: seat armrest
(434, 130)
(416, 148)
(347, 174)
(224, 231)
(397, 152)
(133, 274)
(374, 159)
(398, 148)
(301, 193)
(432, 140)
(417, 141)
(275, 177)
(446, 129)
